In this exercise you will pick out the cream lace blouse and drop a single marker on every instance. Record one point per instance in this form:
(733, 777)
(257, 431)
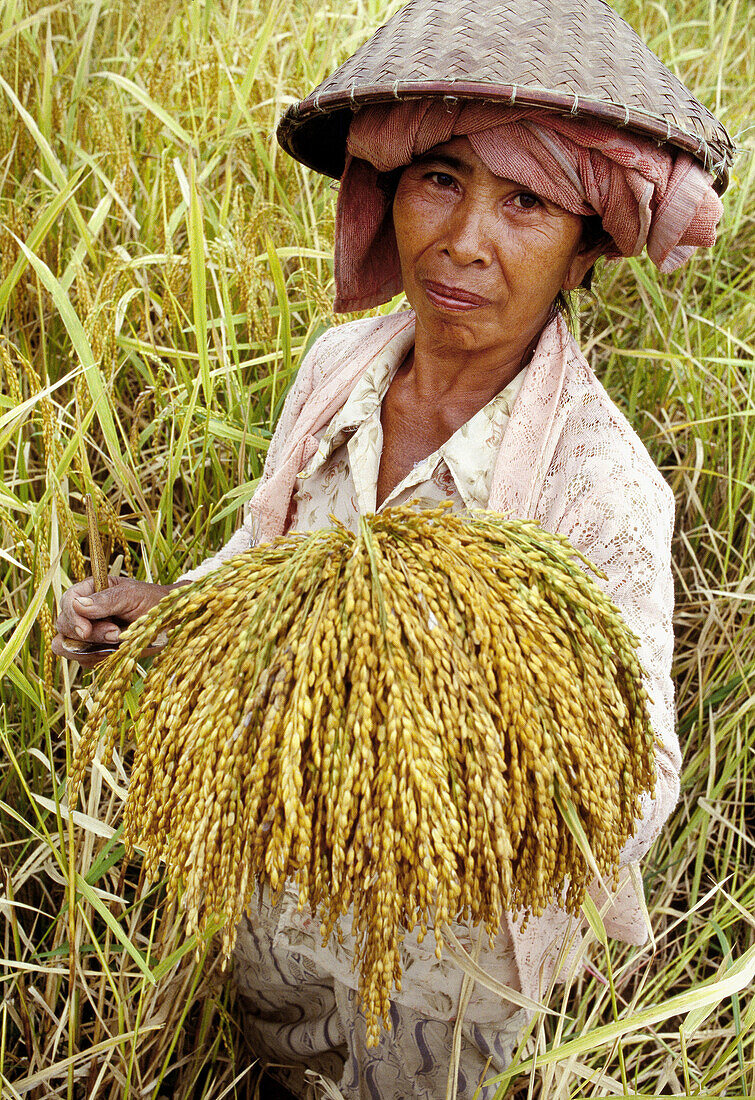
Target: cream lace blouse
(341, 479)
(567, 458)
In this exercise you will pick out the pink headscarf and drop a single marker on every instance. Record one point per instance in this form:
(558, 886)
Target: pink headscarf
(645, 194)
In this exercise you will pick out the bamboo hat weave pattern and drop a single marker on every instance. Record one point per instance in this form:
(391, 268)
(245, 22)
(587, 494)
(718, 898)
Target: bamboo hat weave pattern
(573, 56)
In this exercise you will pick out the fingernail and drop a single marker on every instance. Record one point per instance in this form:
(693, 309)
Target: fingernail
(112, 635)
(80, 632)
(84, 601)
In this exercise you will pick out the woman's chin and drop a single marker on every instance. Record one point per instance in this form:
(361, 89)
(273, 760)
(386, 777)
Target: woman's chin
(457, 331)
(467, 331)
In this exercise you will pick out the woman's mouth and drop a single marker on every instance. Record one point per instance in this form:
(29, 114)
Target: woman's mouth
(453, 297)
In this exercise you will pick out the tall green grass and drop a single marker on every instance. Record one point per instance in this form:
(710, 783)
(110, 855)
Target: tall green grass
(163, 267)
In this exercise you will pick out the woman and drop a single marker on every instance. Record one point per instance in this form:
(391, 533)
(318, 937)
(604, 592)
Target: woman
(486, 215)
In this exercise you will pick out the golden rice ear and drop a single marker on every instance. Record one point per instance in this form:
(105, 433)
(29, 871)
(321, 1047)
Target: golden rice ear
(441, 716)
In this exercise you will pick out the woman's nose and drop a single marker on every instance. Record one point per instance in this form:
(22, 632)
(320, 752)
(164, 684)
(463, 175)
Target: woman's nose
(468, 237)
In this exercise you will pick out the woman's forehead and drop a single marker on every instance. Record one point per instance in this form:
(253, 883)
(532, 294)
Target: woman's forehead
(457, 148)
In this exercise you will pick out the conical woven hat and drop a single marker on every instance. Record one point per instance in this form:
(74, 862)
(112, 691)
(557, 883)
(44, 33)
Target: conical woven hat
(566, 55)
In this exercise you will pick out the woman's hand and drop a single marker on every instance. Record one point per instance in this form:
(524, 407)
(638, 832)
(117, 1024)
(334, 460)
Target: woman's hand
(97, 618)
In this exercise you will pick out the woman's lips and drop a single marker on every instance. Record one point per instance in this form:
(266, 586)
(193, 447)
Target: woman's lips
(453, 297)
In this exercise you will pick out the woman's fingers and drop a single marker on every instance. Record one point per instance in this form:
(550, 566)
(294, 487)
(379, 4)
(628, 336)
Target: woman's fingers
(71, 622)
(90, 623)
(99, 617)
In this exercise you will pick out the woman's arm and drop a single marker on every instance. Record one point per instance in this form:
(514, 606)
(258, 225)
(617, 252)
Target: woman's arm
(97, 618)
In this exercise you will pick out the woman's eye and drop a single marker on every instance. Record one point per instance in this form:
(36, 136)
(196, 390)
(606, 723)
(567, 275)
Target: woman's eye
(526, 200)
(442, 179)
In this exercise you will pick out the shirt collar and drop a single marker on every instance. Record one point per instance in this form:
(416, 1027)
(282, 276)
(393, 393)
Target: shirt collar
(364, 400)
(469, 453)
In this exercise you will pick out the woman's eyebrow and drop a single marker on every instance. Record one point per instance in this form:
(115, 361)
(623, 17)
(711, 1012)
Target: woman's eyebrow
(445, 159)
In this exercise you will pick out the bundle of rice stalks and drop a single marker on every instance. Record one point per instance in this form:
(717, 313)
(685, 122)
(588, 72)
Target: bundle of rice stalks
(392, 718)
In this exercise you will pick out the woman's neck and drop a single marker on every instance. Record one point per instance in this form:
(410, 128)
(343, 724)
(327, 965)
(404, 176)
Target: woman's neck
(444, 373)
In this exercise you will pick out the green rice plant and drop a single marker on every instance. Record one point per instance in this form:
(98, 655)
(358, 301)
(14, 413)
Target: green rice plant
(163, 268)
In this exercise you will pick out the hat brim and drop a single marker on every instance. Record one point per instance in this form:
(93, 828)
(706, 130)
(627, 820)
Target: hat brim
(572, 56)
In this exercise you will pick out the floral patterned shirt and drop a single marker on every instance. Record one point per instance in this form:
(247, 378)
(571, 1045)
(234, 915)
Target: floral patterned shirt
(570, 460)
(341, 478)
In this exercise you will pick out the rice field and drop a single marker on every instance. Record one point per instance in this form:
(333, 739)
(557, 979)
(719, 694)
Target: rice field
(163, 269)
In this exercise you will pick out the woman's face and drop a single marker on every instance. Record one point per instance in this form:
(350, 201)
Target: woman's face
(482, 258)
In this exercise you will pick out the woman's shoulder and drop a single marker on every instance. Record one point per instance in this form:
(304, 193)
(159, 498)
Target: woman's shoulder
(338, 345)
(329, 370)
(598, 432)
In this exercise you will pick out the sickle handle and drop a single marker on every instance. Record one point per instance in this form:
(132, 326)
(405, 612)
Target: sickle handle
(99, 576)
(96, 555)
